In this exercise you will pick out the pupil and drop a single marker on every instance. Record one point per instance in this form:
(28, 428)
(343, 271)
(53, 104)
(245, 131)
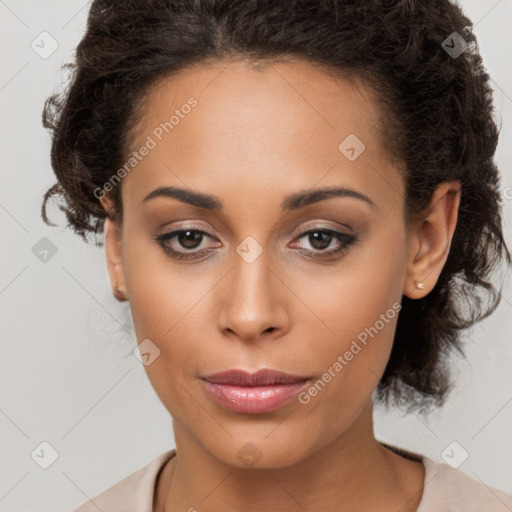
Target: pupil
(315, 238)
(189, 240)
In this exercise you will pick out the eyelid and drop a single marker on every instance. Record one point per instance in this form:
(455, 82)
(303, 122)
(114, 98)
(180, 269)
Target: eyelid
(296, 232)
(318, 224)
(339, 228)
(188, 226)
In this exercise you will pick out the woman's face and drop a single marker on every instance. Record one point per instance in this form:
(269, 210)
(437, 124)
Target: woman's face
(266, 284)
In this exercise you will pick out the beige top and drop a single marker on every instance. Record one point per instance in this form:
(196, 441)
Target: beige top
(445, 490)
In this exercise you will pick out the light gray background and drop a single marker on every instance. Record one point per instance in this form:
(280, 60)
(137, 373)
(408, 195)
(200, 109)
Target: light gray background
(64, 375)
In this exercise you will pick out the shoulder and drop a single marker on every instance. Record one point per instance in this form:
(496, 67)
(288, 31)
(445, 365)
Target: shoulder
(135, 492)
(446, 489)
(451, 490)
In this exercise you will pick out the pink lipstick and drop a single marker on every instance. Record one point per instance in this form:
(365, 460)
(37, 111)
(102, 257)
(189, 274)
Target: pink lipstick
(254, 393)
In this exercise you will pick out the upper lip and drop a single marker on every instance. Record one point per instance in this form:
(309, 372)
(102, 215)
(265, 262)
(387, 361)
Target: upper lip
(263, 377)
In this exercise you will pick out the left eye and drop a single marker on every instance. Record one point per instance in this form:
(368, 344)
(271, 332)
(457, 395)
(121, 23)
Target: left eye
(320, 239)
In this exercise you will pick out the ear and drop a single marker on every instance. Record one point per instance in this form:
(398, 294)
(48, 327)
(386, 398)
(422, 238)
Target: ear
(113, 252)
(430, 238)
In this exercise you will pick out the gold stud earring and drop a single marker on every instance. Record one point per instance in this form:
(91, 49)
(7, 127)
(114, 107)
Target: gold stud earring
(117, 287)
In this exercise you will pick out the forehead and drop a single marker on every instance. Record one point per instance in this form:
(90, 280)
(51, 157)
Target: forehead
(282, 126)
(264, 99)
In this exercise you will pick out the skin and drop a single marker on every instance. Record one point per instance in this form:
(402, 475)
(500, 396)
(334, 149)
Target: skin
(255, 137)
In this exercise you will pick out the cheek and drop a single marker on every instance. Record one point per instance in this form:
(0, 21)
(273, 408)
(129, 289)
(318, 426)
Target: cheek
(350, 362)
(170, 306)
(358, 309)
(161, 292)
(354, 353)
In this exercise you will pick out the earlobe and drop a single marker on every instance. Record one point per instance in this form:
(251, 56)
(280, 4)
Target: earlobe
(431, 240)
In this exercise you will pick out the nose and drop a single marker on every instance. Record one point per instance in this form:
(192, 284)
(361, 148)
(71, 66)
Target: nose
(254, 302)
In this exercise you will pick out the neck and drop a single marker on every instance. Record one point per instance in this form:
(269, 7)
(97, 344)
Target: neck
(354, 470)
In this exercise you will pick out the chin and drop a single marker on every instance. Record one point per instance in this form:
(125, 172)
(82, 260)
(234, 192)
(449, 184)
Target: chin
(260, 451)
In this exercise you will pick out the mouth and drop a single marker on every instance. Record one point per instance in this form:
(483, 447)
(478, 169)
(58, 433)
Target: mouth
(254, 393)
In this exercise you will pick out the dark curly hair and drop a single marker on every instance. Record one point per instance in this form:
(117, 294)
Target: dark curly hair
(437, 122)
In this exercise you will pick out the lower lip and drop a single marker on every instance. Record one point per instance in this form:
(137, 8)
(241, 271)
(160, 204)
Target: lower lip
(254, 400)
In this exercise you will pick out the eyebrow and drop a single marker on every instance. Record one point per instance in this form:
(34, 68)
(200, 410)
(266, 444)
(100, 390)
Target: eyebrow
(292, 202)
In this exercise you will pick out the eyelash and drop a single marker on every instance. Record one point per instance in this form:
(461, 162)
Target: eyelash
(345, 239)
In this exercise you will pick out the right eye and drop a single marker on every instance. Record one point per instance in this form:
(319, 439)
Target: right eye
(187, 238)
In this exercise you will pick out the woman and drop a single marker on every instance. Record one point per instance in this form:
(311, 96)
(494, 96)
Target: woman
(298, 200)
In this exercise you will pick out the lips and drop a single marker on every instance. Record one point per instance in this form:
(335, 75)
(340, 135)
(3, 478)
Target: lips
(264, 377)
(253, 393)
